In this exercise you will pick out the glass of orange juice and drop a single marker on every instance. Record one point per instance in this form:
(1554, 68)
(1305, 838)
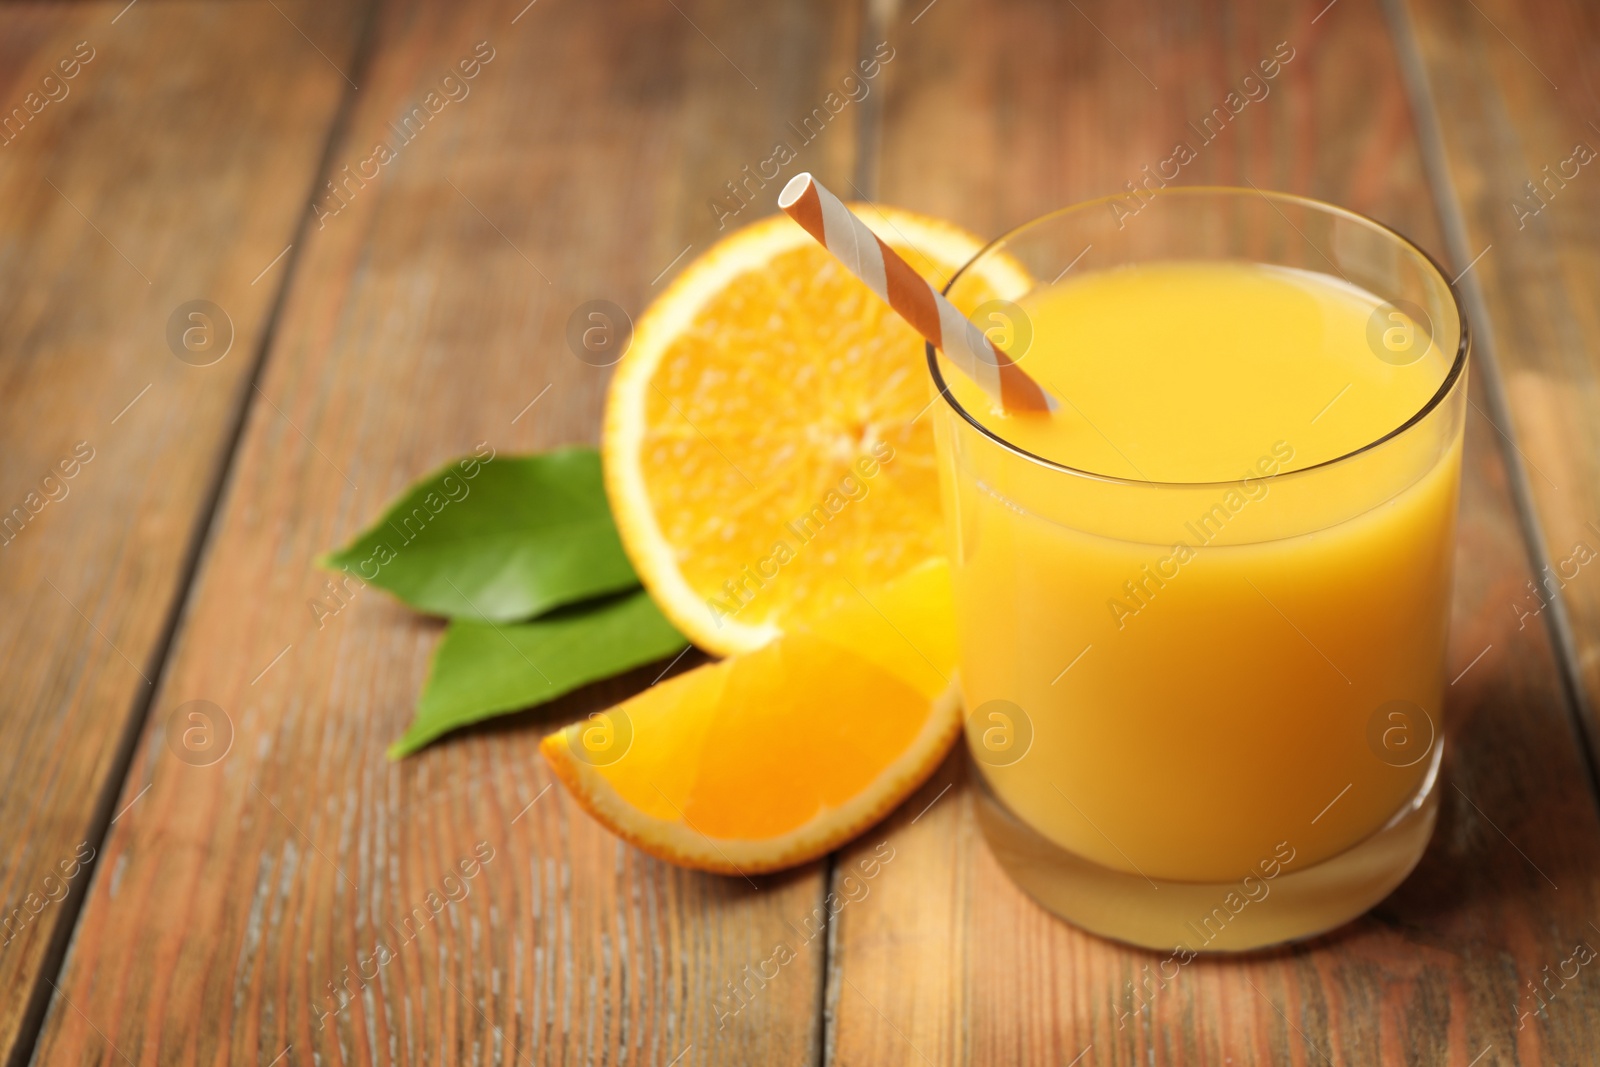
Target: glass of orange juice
(1202, 608)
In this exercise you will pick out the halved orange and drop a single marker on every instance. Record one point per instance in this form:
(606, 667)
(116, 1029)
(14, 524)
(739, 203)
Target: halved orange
(764, 443)
(777, 756)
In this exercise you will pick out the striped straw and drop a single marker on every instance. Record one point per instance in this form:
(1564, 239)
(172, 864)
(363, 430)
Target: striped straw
(842, 232)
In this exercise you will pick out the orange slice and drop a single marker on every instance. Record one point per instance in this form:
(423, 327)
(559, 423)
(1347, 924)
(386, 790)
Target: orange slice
(764, 443)
(777, 756)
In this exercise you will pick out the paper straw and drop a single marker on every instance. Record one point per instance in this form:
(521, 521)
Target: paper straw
(841, 231)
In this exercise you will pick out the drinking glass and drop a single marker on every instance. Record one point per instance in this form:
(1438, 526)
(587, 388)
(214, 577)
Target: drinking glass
(1257, 758)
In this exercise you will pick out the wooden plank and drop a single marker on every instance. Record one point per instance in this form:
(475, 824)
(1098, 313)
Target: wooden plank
(1518, 149)
(428, 314)
(943, 960)
(148, 158)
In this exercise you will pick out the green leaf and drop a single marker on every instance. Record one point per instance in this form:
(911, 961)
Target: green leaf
(504, 538)
(484, 669)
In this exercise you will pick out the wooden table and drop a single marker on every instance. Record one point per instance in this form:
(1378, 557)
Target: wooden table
(163, 911)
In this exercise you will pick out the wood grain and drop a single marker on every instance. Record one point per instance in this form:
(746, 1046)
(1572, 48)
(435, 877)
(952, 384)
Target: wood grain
(1513, 85)
(148, 157)
(469, 912)
(944, 961)
(428, 313)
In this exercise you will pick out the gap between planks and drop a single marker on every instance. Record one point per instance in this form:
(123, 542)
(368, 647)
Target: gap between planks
(53, 960)
(1453, 222)
(875, 18)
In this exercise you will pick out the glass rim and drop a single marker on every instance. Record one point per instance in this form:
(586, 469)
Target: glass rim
(1446, 387)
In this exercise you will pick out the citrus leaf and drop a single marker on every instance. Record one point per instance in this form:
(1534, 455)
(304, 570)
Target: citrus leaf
(500, 538)
(484, 669)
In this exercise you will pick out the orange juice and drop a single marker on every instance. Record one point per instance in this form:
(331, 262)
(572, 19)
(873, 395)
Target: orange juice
(1191, 601)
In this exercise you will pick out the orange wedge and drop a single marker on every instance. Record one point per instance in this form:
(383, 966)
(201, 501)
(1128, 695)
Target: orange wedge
(777, 756)
(764, 443)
